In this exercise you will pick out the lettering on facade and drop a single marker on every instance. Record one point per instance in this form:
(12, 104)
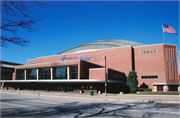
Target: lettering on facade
(75, 58)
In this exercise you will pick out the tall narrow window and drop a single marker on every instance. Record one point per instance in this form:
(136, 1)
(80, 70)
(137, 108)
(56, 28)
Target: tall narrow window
(74, 72)
(60, 73)
(45, 73)
(155, 51)
(21, 77)
(151, 51)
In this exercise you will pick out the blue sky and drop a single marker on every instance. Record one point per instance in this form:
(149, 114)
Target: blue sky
(71, 23)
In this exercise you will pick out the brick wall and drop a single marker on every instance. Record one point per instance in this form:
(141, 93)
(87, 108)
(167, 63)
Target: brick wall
(97, 73)
(171, 64)
(84, 71)
(151, 64)
(117, 58)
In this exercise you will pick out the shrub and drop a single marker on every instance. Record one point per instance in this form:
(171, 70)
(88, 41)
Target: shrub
(132, 81)
(147, 89)
(144, 89)
(133, 90)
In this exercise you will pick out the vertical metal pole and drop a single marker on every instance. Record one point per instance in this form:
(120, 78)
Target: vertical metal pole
(105, 78)
(179, 56)
(164, 56)
(163, 34)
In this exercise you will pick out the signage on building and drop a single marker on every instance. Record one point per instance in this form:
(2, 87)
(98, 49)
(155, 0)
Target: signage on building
(75, 58)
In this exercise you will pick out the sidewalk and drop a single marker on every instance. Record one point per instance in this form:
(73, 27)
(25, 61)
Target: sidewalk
(168, 99)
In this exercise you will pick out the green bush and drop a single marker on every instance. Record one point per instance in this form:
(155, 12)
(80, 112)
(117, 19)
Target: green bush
(147, 89)
(133, 90)
(144, 89)
(140, 89)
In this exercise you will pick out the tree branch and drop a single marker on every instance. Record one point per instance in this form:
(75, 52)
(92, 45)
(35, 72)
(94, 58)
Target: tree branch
(16, 40)
(16, 9)
(41, 5)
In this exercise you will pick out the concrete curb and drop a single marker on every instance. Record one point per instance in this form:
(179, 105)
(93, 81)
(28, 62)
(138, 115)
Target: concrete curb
(102, 99)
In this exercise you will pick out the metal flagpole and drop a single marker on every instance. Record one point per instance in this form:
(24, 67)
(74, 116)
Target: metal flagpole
(164, 57)
(163, 34)
(105, 76)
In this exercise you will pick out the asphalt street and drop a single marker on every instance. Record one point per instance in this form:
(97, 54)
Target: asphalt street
(21, 105)
(172, 99)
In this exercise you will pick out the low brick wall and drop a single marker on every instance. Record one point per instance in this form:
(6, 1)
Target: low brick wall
(9, 88)
(76, 91)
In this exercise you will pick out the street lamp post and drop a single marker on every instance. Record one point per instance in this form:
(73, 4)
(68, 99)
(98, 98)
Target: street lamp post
(105, 76)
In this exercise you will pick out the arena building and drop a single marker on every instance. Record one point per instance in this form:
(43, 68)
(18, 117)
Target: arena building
(82, 68)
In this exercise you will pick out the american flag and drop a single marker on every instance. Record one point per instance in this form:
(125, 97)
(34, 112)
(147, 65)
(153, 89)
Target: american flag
(168, 29)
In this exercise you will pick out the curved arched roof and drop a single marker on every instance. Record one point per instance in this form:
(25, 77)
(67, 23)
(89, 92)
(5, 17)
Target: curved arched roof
(101, 45)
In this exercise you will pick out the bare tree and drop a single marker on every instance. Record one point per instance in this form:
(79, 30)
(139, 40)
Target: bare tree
(17, 16)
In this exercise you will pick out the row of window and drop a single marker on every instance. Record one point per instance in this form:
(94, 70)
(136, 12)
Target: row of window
(148, 51)
(6, 75)
(32, 63)
(45, 73)
(150, 77)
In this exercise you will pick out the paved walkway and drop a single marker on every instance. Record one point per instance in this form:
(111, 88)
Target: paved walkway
(170, 99)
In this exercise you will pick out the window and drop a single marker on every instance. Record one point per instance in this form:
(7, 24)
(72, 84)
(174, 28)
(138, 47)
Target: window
(6, 74)
(148, 51)
(21, 75)
(154, 51)
(31, 74)
(32, 63)
(74, 72)
(44, 73)
(150, 77)
(151, 51)
(144, 52)
(60, 73)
